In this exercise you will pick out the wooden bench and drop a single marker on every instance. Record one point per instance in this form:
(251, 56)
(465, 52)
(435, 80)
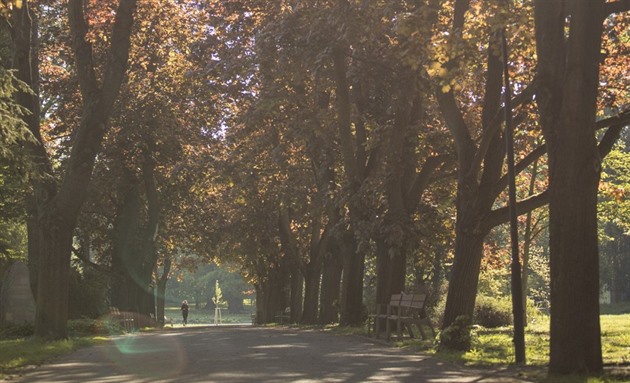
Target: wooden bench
(382, 312)
(153, 322)
(403, 310)
(283, 317)
(124, 318)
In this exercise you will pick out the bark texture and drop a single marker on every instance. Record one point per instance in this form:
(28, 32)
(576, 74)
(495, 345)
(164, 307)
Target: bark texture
(58, 213)
(568, 69)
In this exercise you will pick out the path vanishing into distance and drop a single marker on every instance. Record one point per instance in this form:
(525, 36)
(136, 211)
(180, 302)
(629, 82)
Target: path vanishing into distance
(231, 354)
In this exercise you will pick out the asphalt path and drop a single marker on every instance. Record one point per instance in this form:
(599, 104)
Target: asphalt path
(250, 354)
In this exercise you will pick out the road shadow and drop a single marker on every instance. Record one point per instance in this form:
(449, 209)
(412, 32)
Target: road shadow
(231, 354)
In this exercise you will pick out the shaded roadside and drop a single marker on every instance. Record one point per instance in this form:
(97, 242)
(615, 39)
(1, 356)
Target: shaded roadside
(251, 354)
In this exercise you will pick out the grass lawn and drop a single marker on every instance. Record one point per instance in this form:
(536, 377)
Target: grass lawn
(18, 353)
(493, 348)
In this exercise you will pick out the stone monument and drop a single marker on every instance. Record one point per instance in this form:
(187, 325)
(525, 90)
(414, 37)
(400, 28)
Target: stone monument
(17, 305)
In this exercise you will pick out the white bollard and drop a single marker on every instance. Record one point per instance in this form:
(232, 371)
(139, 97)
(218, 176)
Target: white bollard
(217, 315)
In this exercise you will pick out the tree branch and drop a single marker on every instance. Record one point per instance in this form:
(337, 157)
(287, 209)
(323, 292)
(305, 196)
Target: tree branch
(119, 53)
(523, 98)
(502, 215)
(421, 180)
(608, 141)
(457, 125)
(615, 125)
(616, 7)
(81, 256)
(82, 49)
(97, 104)
(620, 119)
(519, 167)
(344, 115)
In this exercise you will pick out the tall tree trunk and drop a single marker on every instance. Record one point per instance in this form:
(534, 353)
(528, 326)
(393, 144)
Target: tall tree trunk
(161, 290)
(296, 295)
(149, 244)
(26, 63)
(390, 271)
(135, 252)
(402, 195)
(568, 70)
(479, 171)
(527, 241)
(354, 257)
(34, 244)
(464, 277)
(58, 209)
(311, 292)
(331, 287)
(124, 256)
(53, 276)
(291, 261)
(276, 297)
(352, 283)
(390, 258)
(271, 293)
(437, 273)
(383, 292)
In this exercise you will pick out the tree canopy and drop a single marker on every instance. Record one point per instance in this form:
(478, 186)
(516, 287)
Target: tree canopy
(332, 152)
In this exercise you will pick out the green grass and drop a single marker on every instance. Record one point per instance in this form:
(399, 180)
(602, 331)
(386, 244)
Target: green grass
(493, 348)
(616, 338)
(19, 353)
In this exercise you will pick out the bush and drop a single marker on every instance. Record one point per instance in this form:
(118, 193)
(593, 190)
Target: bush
(85, 326)
(76, 327)
(457, 336)
(14, 331)
(88, 294)
(492, 312)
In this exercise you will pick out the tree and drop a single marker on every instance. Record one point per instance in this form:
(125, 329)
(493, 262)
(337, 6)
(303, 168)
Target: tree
(217, 298)
(58, 205)
(568, 44)
(475, 128)
(15, 167)
(614, 224)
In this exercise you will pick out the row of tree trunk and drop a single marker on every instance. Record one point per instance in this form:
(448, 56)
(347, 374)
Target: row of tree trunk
(568, 41)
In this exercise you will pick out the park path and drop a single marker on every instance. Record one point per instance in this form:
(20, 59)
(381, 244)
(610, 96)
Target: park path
(250, 354)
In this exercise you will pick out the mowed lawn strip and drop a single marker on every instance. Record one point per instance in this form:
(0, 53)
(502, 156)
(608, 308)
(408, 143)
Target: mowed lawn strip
(19, 353)
(493, 346)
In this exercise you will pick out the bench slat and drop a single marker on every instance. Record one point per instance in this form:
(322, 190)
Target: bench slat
(404, 310)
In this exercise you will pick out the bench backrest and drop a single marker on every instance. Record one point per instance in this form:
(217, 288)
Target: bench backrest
(395, 299)
(412, 301)
(417, 301)
(410, 304)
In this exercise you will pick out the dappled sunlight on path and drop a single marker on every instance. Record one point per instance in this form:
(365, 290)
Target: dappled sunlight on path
(249, 354)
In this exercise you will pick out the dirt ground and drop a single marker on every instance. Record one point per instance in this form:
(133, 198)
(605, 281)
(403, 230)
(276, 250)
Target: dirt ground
(231, 354)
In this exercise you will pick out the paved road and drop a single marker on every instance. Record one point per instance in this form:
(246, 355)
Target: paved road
(249, 354)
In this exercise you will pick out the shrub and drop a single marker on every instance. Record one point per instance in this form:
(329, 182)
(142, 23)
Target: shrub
(87, 296)
(492, 312)
(13, 331)
(86, 326)
(457, 336)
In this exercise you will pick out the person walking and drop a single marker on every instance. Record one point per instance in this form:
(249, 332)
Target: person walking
(185, 311)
